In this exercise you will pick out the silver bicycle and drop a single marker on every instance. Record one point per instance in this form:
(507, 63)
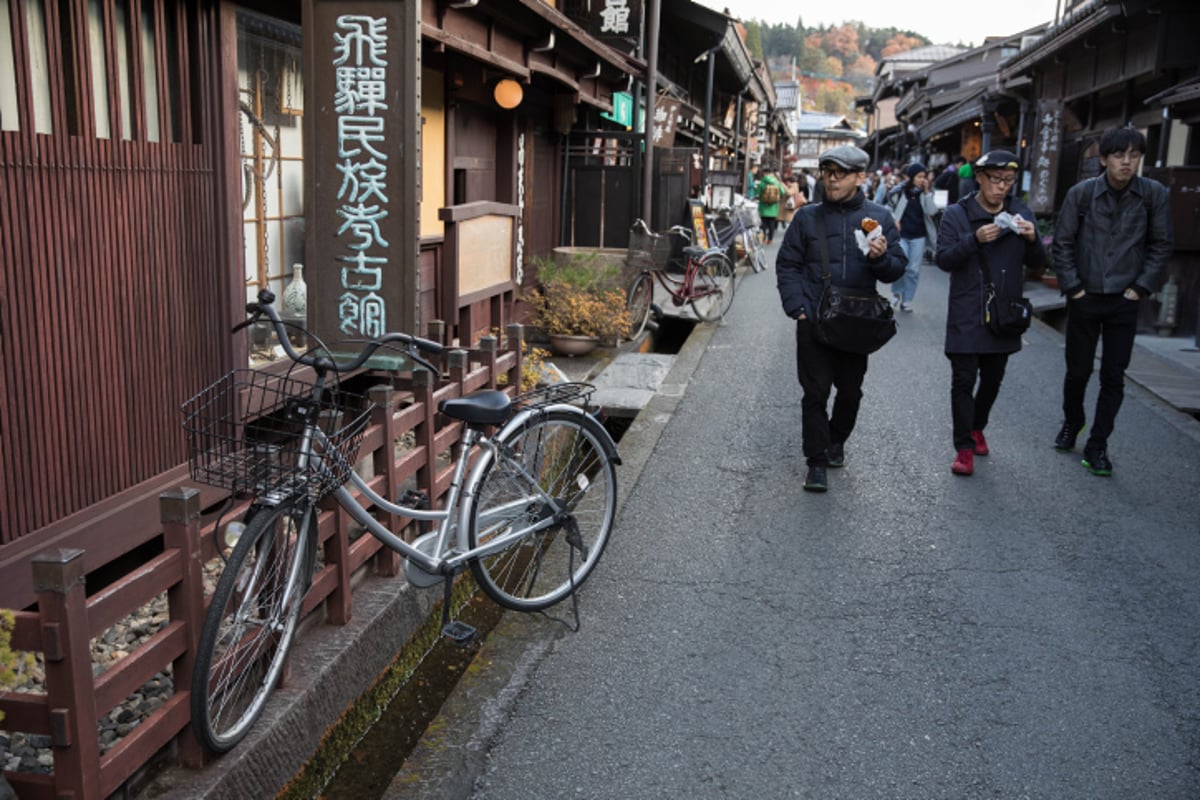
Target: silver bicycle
(529, 508)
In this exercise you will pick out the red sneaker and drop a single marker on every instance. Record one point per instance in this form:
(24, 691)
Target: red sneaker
(964, 463)
(981, 448)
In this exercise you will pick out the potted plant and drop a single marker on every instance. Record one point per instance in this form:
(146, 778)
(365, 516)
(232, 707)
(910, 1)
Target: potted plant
(578, 304)
(1046, 231)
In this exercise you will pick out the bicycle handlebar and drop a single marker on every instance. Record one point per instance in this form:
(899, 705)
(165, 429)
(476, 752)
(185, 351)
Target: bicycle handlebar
(413, 345)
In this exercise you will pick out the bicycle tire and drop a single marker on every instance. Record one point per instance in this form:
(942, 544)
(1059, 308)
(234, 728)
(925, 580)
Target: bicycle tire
(250, 623)
(714, 284)
(638, 301)
(566, 451)
(760, 259)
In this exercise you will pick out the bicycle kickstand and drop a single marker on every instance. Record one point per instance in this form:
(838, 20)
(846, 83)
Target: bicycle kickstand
(456, 630)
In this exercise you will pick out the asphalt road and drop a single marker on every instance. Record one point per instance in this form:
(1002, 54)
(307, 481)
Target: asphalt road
(1031, 631)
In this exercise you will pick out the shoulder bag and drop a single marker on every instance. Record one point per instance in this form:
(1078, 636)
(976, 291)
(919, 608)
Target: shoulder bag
(848, 320)
(1004, 316)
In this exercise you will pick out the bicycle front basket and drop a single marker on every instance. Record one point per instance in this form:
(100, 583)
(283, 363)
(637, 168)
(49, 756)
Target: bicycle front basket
(245, 431)
(648, 250)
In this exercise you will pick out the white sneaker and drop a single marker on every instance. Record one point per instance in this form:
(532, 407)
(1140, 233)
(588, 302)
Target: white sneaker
(906, 307)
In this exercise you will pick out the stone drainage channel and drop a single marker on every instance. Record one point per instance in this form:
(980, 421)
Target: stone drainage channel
(368, 770)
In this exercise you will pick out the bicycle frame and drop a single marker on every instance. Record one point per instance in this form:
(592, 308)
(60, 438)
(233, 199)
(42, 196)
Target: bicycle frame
(458, 497)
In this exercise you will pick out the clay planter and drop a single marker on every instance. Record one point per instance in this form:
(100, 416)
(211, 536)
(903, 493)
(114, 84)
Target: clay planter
(567, 345)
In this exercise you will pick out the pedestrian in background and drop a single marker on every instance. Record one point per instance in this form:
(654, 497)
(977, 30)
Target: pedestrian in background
(1111, 246)
(978, 357)
(793, 201)
(799, 268)
(913, 207)
(769, 191)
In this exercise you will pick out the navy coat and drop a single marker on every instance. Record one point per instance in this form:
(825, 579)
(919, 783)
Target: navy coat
(959, 254)
(798, 266)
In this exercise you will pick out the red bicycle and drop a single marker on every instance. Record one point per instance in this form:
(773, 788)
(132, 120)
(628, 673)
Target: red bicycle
(703, 277)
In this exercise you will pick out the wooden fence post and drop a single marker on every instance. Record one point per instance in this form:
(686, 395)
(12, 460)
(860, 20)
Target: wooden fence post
(426, 434)
(488, 346)
(58, 577)
(179, 510)
(387, 561)
(516, 342)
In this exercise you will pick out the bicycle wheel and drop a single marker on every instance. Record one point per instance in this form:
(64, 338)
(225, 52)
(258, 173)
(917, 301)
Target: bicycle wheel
(559, 455)
(713, 288)
(638, 301)
(756, 252)
(250, 623)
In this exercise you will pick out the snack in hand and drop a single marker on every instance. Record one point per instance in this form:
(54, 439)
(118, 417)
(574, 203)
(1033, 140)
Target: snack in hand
(869, 224)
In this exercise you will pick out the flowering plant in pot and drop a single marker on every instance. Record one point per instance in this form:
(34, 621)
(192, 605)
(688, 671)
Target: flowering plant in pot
(578, 298)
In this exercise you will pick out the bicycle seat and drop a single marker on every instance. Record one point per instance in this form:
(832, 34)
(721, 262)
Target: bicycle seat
(485, 407)
(694, 251)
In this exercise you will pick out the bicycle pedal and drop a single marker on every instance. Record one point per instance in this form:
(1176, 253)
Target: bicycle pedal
(414, 499)
(459, 632)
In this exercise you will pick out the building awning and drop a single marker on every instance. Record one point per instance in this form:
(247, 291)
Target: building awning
(1075, 25)
(964, 111)
(1186, 92)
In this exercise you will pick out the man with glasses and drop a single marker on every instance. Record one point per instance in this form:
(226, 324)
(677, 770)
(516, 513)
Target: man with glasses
(1111, 246)
(799, 267)
(977, 246)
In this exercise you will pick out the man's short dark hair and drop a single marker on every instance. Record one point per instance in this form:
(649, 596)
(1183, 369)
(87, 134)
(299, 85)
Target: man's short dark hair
(1118, 140)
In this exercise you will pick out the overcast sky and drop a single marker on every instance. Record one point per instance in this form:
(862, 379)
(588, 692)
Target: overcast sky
(927, 17)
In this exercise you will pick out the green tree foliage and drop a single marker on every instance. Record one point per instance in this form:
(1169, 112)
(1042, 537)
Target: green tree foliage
(754, 40)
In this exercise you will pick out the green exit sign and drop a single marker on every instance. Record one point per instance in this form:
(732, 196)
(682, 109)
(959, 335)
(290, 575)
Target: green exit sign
(622, 113)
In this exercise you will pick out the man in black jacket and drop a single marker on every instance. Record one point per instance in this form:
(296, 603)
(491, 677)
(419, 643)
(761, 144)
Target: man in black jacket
(1111, 246)
(973, 236)
(799, 268)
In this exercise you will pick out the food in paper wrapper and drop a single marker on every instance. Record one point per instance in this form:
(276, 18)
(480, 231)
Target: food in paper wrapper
(1007, 221)
(870, 231)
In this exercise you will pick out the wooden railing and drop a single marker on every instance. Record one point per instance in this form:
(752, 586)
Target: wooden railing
(66, 619)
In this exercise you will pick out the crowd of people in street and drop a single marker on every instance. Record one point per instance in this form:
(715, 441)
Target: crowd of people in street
(854, 227)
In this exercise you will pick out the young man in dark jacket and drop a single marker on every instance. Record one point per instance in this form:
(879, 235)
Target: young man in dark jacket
(799, 268)
(1111, 246)
(968, 235)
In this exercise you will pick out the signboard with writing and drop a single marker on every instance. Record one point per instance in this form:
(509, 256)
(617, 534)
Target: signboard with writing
(1043, 166)
(622, 112)
(699, 226)
(666, 114)
(362, 156)
(615, 22)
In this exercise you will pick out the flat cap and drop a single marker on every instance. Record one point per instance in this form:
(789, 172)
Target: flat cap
(997, 159)
(846, 156)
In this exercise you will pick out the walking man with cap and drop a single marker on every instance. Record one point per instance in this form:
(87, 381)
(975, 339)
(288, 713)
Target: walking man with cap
(1111, 246)
(978, 247)
(799, 267)
(913, 207)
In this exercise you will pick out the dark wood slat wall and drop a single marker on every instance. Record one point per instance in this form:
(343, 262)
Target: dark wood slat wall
(111, 269)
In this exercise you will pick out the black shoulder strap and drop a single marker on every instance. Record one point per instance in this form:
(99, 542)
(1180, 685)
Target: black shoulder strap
(825, 275)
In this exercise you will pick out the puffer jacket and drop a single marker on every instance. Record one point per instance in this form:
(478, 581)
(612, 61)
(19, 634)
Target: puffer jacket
(959, 254)
(798, 266)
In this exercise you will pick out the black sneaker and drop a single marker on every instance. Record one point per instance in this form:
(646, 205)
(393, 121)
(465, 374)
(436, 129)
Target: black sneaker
(815, 480)
(1065, 441)
(836, 454)
(1096, 460)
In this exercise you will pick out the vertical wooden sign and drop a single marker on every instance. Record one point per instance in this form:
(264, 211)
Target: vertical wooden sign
(362, 63)
(1043, 166)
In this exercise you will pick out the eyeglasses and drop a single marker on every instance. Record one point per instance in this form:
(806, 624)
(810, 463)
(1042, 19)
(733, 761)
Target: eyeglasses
(1000, 180)
(836, 173)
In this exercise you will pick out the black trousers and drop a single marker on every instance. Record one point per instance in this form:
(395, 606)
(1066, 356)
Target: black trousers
(820, 370)
(769, 224)
(974, 384)
(1090, 319)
